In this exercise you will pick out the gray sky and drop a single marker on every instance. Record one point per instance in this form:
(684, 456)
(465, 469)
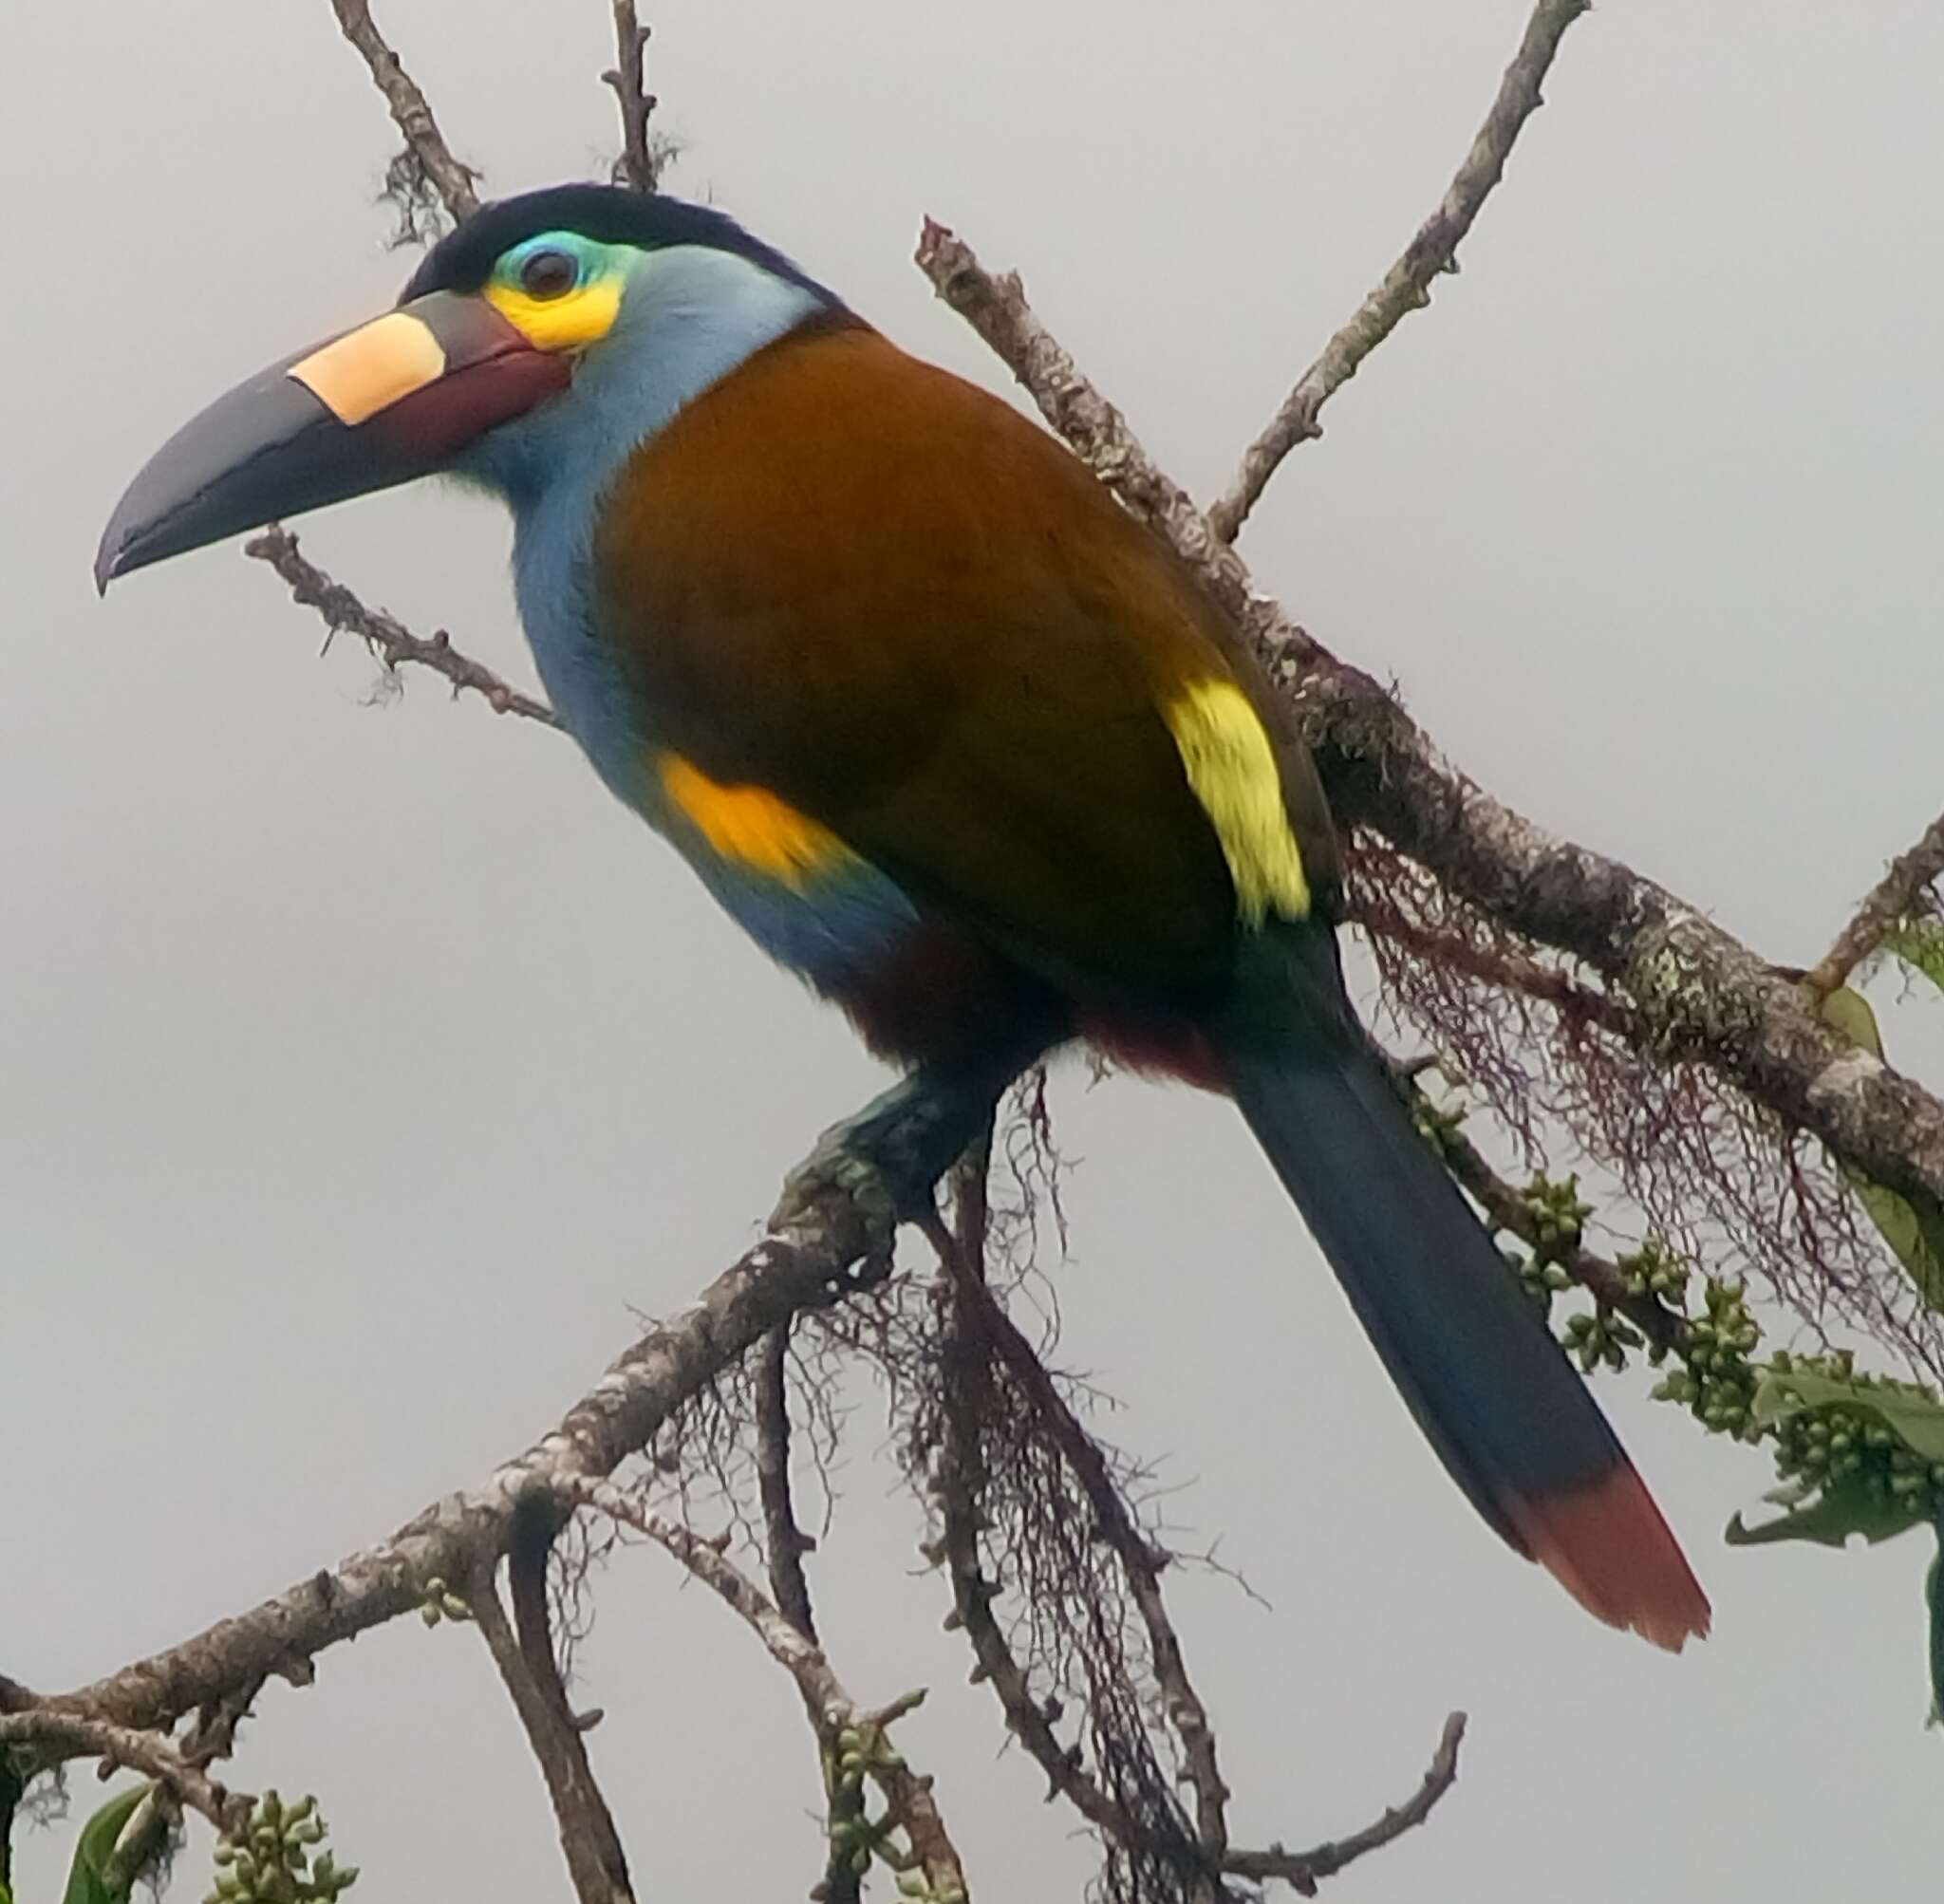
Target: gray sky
(362, 1065)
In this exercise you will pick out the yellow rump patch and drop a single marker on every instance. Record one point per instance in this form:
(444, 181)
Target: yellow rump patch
(368, 370)
(584, 316)
(1232, 769)
(749, 825)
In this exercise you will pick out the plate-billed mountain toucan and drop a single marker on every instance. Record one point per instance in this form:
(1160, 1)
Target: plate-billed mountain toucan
(944, 729)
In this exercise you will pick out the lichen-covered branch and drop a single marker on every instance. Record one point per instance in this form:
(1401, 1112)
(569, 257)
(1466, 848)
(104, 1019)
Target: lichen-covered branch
(410, 110)
(1891, 901)
(55, 1734)
(1407, 286)
(1700, 992)
(387, 638)
(819, 1244)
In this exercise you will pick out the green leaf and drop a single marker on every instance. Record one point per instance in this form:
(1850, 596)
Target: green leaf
(1847, 1011)
(1917, 1420)
(1934, 1599)
(90, 1880)
(1837, 1512)
(1914, 1228)
(1920, 944)
(11, 1787)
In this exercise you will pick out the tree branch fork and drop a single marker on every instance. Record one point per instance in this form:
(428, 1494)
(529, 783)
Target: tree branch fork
(822, 1246)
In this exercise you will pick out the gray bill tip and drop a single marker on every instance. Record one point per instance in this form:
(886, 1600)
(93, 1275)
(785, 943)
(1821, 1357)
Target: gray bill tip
(107, 560)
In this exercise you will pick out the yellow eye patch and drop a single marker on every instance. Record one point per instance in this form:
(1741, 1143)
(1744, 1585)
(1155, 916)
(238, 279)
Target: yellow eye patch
(1232, 771)
(581, 316)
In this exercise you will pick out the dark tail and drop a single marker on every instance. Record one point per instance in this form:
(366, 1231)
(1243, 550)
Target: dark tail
(1508, 1414)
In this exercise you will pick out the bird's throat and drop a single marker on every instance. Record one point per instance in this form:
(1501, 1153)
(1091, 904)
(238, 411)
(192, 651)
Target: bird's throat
(691, 317)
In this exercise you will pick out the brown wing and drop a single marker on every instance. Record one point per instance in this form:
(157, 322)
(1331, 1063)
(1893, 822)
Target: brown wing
(874, 589)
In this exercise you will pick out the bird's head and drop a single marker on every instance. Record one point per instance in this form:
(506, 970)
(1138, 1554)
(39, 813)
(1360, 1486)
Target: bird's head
(544, 327)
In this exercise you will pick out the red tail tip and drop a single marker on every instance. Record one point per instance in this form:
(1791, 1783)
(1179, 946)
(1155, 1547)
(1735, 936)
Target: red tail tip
(1606, 1543)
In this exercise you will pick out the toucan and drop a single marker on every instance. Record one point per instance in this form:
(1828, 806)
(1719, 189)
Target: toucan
(945, 731)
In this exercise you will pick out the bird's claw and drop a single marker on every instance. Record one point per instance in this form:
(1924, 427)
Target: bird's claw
(843, 1168)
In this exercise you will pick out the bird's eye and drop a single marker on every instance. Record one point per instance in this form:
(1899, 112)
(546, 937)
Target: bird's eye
(549, 274)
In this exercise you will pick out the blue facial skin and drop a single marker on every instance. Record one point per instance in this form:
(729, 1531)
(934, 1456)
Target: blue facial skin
(690, 315)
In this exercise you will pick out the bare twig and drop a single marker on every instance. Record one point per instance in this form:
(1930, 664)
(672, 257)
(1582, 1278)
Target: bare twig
(525, 1658)
(1302, 1869)
(386, 637)
(641, 160)
(55, 1734)
(1890, 902)
(410, 110)
(1406, 286)
(785, 1543)
(996, 308)
(829, 1706)
(1700, 992)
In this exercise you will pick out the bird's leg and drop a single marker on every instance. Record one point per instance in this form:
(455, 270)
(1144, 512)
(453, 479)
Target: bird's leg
(889, 1155)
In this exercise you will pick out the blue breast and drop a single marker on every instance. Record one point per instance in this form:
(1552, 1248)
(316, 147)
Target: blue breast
(836, 930)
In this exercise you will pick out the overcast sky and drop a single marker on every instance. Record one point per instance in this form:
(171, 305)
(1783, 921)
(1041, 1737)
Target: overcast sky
(360, 1067)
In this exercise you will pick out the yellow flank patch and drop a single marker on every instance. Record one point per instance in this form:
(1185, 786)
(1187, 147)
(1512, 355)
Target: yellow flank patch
(584, 316)
(368, 370)
(749, 825)
(1232, 769)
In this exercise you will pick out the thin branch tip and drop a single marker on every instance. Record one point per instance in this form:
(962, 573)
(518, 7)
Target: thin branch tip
(383, 634)
(643, 156)
(1896, 897)
(1303, 1871)
(1405, 287)
(454, 180)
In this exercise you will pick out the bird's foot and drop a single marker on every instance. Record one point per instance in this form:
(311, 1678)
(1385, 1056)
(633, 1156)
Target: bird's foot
(885, 1161)
(837, 1169)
